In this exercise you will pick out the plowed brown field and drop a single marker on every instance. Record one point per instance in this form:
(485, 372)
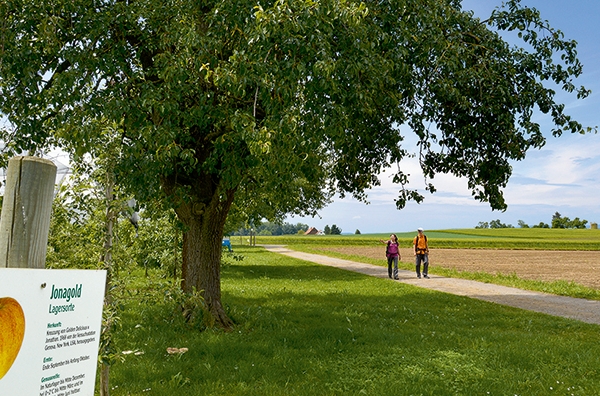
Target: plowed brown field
(582, 267)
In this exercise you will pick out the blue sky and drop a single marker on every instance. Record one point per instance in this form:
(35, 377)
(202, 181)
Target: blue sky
(564, 176)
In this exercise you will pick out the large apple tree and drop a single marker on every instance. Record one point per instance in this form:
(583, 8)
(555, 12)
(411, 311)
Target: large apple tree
(272, 106)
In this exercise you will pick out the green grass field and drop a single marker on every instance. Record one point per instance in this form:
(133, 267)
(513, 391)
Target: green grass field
(305, 329)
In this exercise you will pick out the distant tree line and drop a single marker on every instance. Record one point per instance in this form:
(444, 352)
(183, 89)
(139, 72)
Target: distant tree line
(493, 224)
(541, 224)
(558, 221)
(268, 228)
(333, 230)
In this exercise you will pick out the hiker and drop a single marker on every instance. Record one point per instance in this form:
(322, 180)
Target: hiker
(392, 252)
(421, 249)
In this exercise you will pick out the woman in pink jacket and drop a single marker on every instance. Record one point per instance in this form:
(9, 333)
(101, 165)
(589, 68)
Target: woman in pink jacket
(392, 253)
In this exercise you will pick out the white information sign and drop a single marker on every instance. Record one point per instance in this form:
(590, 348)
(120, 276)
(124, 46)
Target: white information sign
(50, 323)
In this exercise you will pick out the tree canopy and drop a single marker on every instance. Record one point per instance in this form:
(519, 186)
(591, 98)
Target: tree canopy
(269, 108)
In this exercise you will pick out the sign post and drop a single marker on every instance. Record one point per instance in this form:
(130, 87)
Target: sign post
(26, 210)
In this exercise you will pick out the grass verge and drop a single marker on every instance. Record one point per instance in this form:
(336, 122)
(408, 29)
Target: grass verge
(305, 329)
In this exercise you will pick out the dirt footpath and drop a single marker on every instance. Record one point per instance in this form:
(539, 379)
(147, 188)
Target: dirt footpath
(579, 267)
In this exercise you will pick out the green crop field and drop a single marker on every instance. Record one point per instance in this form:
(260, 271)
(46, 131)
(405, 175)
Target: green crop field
(499, 238)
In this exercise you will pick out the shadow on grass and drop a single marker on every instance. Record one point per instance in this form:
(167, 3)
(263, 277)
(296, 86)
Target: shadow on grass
(308, 271)
(320, 294)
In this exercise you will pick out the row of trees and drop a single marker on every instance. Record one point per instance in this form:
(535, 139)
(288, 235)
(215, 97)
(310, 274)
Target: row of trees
(269, 228)
(558, 221)
(541, 224)
(499, 224)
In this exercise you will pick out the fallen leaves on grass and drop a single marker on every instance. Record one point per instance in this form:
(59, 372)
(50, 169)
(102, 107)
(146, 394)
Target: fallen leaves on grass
(175, 351)
(136, 353)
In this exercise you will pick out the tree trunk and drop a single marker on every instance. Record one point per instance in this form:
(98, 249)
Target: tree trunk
(201, 267)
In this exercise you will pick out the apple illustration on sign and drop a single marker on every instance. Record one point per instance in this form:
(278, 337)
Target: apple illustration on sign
(12, 331)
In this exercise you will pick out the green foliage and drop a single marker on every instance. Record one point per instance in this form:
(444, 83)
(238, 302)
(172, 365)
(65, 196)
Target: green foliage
(493, 224)
(498, 224)
(77, 228)
(335, 230)
(158, 242)
(111, 324)
(541, 225)
(357, 232)
(193, 307)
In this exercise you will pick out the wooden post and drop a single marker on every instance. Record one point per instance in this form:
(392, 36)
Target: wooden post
(26, 209)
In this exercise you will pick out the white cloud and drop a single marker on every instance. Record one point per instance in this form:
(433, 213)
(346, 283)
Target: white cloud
(565, 172)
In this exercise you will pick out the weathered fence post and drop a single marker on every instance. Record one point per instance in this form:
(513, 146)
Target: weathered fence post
(26, 210)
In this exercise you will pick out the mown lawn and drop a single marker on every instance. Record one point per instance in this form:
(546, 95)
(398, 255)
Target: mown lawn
(305, 329)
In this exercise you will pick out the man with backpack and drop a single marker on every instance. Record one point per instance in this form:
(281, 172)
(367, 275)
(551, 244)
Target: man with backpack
(421, 253)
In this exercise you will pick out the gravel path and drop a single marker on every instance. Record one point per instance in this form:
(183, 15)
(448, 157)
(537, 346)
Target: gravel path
(574, 308)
